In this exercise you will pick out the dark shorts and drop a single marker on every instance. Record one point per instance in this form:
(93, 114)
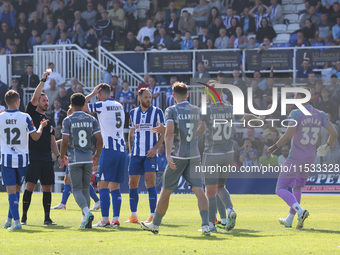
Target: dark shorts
(13, 176)
(214, 178)
(139, 165)
(112, 166)
(40, 170)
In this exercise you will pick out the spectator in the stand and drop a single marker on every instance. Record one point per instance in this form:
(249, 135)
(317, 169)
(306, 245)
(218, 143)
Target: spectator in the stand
(187, 23)
(144, 84)
(57, 115)
(248, 155)
(64, 40)
(215, 3)
(21, 48)
(91, 40)
(48, 40)
(115, 87)
(257, 92)
(324, 30)
(248, 23)
(163, 38)
(74, 83)
(336, 31)
(284, 155)
(187, 43)
(213, 14)
(196, 44)
(32, 41)
(16, 87)
(204, 36)
(309, 31)
(315, 3)
(117, 16)
(52, 93)
(77, 20)
(176, 45)
(127, 98)
(80, 89)
(172, 25)
(254, 137)
(215, 29)
(46, 15)
(130, 9)
(227, 19)
(311, 80)
(334, 13)
(334, 85)
(310, 15)
(50, 30)
(29, 79)
(327, 105)
(304, 70)
(21, 6)
(169, 99)
(239, 5)
(239, 40)
(155, 91)
(222, 41)
(237, 81)
(336, 69)
(78, 36)
(300, 40)
(265, 31)
(61, 12)
(61, 27)
(201, 72)
(131, 42)
(148, 31)
(158, 19)
(73, 5)
(276, 13)
(54, 75)
(274, 136)
(8, 15)
(5, 33)
(318, 89)
(201, 13)
(262, 12)
(158, 26)
(170, 10)
(36, 23)
(146, 45)
(268, 159)
(89, 14)
(232, 28)
(64, 101)
(265, 45)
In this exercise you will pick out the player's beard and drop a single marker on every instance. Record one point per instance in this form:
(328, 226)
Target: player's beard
(44, 108)
(146, 104)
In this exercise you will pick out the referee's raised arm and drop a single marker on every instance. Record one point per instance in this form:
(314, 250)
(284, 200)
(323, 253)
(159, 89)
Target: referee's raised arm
(39, 89)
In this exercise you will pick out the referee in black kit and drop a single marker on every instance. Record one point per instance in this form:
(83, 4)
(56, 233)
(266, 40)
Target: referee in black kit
(41, 164)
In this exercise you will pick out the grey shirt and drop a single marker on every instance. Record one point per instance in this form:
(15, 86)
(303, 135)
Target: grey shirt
(80, 127)
(186, 118)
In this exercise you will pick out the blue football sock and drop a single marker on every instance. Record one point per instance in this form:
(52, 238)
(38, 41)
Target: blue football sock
(104, 202)
(93, 194)
(116, 202)
(152, 198)
(9, 209)
(14, 205)
(133, 199)
(66, 193)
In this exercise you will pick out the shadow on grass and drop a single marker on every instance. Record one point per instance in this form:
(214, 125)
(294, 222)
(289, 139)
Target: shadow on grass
(212, 237)
(324, 231)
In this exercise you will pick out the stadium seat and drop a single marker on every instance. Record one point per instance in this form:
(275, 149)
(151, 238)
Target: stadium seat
(287, 9)
(281, 38)
(292, 28)
(280, 28)
(292, 18)
(300, 7)
(188, 9)
(297, 1)
(286, 2)
(300, 16)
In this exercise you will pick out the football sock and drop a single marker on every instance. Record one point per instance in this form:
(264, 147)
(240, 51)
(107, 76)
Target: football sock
(299, 210)
(66, 193)
(26, 201)
(104, 202)
(220, 207)
(14, 206)
(116, 202)
(157, 220)
(290, 218)
(212, 209)
(10, 217)
(133, 200)
(205, 217)
(224, 195)
(86, 211)
(297, 195)
(93, 194)
(286, 196)
(47, 198)
(152, 198)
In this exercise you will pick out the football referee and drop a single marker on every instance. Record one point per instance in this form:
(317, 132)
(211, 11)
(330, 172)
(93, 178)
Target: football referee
(41, 164)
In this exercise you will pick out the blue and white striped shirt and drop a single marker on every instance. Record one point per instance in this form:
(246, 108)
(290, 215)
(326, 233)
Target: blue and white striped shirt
(142, 122)
(123, 96)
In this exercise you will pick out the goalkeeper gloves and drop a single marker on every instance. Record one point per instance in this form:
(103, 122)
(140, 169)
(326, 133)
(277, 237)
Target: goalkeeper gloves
(323, 150)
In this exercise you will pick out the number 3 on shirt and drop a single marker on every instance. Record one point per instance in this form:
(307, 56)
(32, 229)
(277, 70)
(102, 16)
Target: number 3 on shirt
(190, 127)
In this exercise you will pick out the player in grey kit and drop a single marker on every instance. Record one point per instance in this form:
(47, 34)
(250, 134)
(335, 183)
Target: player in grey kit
(77, 131)
(181, 142)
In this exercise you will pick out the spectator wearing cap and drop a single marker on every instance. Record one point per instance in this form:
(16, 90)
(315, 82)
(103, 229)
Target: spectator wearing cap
(146, 45)
(117, 16)
(163, 38)
(187, 23)
(148, 31)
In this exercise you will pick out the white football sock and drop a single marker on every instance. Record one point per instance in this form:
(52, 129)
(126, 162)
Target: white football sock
(299, 210)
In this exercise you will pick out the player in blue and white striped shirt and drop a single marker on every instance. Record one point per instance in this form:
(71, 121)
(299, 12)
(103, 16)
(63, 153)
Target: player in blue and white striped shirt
(143, 148)
(14, 129)
(113, 158)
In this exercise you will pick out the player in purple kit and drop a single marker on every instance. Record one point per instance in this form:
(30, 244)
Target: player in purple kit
(302, 155)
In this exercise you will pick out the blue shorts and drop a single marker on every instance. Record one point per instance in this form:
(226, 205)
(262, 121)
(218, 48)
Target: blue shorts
(66, 170)
(112, 165)
(13, 176)
(139, 165)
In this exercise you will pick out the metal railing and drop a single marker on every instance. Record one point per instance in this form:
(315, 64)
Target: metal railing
(123, 71)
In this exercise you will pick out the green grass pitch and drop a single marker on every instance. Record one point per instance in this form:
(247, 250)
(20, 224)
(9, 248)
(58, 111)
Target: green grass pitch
(257, 229)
